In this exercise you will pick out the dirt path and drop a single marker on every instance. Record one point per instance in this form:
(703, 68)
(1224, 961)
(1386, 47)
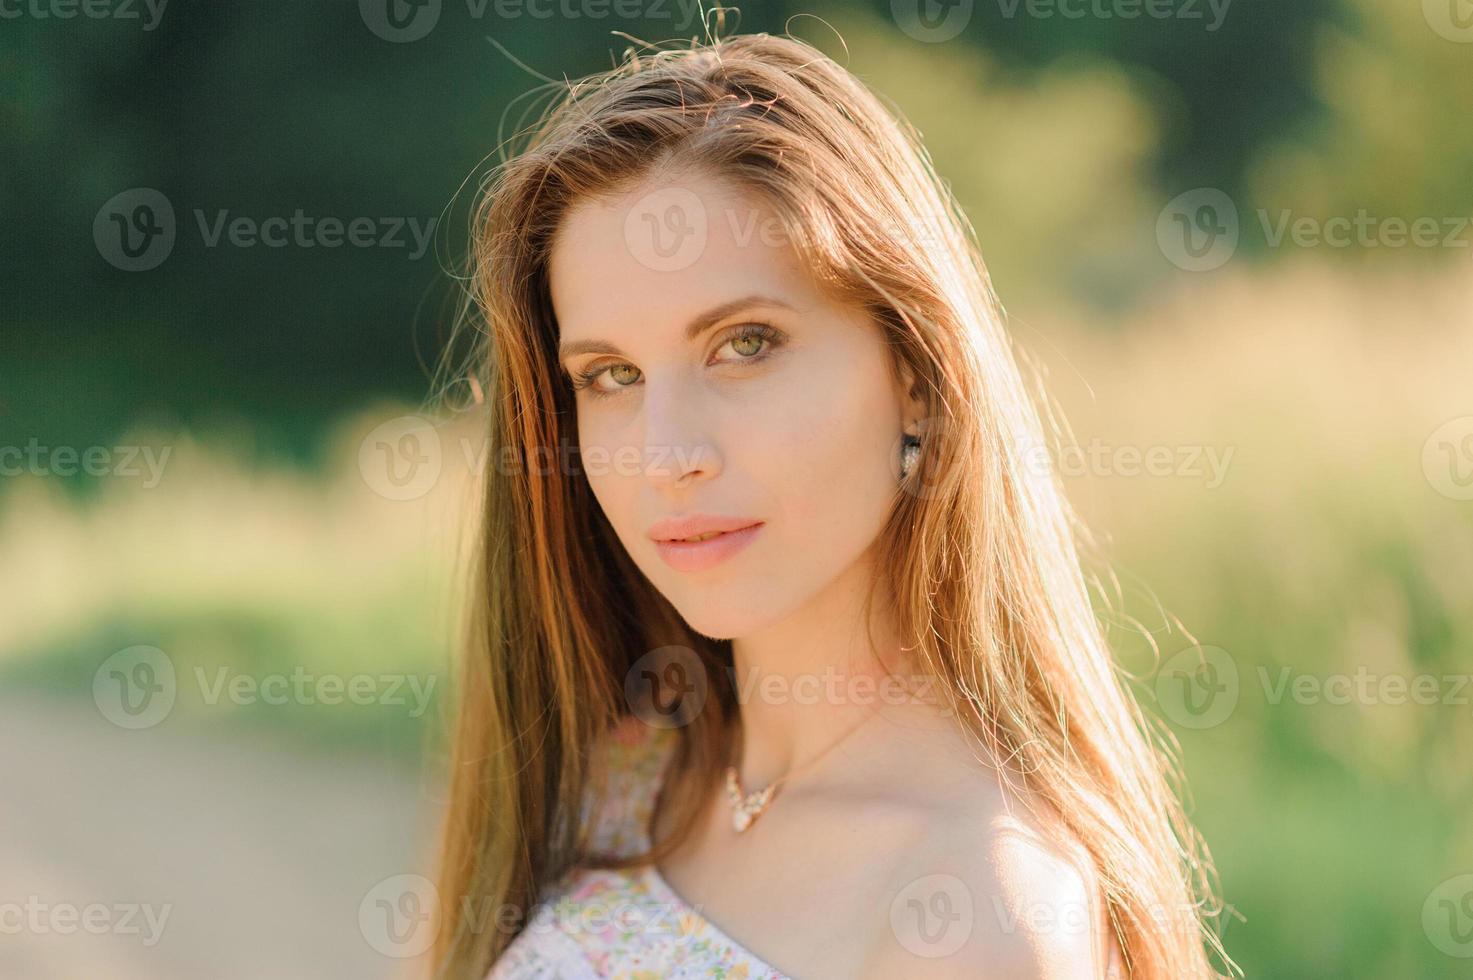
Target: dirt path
(170, 852)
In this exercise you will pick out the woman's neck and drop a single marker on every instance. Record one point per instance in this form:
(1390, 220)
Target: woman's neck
(812, 679)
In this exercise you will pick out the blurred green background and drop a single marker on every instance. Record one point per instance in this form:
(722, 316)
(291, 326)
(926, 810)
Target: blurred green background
(1232, 237)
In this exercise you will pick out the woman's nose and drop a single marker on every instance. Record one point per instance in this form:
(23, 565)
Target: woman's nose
(678, 449)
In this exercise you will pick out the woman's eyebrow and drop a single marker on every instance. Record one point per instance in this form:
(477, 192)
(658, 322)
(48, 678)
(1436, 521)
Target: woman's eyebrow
(697, 326)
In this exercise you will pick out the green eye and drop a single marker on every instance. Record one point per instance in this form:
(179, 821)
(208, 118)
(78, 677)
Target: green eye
(752, 341)
(749, 341)
(585, 380)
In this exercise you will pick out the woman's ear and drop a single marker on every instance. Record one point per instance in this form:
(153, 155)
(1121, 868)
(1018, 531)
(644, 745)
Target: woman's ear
(912, 405)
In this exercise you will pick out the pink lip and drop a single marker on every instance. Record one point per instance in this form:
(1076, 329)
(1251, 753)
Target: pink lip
(690, 525)
(696, 556)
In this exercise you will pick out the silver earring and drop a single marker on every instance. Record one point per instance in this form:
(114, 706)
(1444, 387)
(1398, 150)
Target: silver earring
(910, 451)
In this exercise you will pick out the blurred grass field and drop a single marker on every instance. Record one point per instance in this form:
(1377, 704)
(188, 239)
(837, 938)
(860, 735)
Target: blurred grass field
(250, 570)
(1325, 551)
(1322, 546)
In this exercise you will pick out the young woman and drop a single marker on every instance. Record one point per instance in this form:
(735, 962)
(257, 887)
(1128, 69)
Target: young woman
(782, 660)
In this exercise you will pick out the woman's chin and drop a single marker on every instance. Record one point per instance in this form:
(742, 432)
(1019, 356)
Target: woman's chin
(715, 625)
(714, 618)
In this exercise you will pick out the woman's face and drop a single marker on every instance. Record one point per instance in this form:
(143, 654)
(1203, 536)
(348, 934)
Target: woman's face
(721, 382)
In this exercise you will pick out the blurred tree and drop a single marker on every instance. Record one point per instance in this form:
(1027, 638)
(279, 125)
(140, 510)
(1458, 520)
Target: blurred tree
(1390, 140)
(289, 111)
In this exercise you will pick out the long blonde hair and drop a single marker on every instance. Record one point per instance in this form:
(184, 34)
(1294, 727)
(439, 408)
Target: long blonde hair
(981, 555)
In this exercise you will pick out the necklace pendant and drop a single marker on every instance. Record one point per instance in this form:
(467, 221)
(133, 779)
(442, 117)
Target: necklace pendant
(745, 808)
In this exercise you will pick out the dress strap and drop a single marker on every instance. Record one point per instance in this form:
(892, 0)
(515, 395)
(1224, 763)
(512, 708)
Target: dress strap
(628, 767)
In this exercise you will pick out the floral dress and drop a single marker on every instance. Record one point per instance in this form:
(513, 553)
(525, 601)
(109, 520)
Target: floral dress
(625, 925)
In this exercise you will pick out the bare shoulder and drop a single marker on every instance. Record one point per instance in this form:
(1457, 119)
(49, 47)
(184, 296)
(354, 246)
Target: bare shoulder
(1001, 888)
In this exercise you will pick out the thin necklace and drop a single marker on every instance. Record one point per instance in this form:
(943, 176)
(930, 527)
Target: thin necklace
(747, 807)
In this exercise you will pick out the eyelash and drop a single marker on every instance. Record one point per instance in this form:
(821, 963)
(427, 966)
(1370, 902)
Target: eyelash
(582, 380)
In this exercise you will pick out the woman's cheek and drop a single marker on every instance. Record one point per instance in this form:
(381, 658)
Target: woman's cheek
(606, 447)
(611, 469)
